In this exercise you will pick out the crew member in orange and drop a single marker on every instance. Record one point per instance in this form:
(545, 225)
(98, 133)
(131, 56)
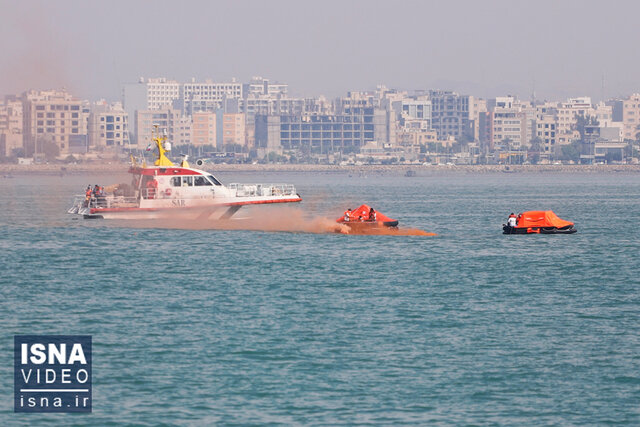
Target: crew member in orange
(512, 221)
(87, 196)
(347, 215)
(152, 186)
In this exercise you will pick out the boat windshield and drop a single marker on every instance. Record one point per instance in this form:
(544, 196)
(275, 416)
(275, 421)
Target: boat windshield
(213, 179)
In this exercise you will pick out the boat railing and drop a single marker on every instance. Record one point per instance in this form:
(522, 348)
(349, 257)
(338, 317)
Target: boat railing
(270, 190)
(119, 201)
(108, 201)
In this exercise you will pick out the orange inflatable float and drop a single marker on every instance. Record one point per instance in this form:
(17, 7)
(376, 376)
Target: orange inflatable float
(539, 222)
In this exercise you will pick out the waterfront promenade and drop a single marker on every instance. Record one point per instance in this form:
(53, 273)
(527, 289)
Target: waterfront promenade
(56, 169)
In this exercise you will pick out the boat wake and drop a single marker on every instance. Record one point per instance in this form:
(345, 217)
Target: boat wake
(284, 219)
(393, 231)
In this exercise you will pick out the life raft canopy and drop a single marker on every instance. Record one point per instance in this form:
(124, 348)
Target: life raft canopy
(542, 219)
(362, 214)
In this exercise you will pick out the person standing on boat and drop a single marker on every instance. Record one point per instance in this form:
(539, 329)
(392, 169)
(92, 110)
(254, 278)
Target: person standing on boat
(87, 194)
(512, 222)
(347, 215)
(372, 215)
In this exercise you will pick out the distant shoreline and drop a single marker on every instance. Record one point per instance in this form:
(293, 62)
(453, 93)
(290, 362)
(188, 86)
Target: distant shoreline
(84, 168)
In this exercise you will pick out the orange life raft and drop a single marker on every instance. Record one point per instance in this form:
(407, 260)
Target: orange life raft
(363, 217)
(539, 222)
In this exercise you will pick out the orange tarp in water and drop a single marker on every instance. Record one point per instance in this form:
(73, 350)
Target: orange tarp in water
(541, 219)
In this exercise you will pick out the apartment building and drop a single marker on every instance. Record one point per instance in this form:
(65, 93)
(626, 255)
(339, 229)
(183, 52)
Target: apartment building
(207, 96)
(452, 114)
(166, 119)
(54, 116)
(509, 125)
(183, 131)
(233, 129)
(547, 132)
(261, 86)
(108, 127)
(150, 94)
(631, 116)
(568, 112)
(10, 126)
(203, 129)
(353, 128)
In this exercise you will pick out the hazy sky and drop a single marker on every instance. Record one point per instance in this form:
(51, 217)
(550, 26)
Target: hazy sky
(484, 48)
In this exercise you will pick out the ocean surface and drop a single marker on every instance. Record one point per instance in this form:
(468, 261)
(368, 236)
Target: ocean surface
(232, 327)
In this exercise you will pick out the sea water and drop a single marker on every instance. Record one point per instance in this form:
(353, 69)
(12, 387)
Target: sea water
(201, 327)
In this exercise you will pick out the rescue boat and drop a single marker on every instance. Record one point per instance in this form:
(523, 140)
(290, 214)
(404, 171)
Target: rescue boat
(164, 190)
(366, 217)
(539, 222)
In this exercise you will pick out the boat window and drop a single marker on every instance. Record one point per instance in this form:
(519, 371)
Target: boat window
(187, 181)
(213, 179)
(200, 180)
(176, 181)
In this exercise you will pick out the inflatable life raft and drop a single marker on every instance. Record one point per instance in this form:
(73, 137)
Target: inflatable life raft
(539, 222)
(366, 217)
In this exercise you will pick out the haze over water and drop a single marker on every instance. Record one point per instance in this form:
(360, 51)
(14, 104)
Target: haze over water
(237, 327)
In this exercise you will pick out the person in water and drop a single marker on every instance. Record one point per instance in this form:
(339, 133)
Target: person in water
(347, 215)
(372, 215)
(512, 221)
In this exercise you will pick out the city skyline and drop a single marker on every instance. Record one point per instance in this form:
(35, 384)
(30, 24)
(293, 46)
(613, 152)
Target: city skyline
(557, 50)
